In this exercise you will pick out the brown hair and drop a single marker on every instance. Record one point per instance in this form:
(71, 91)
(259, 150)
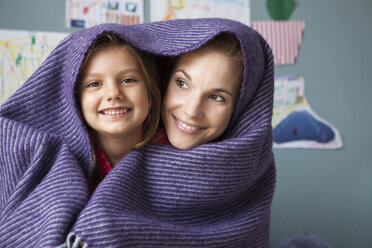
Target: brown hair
(229, 44)
(149, 70)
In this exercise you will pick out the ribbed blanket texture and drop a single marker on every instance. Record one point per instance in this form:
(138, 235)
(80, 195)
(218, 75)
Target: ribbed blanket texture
(215, 195)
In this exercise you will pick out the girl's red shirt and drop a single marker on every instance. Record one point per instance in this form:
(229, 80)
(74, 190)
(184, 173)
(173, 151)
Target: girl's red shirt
(100, 171)
(103, 166)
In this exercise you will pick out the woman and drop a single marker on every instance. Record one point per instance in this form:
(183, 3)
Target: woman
(202, 91)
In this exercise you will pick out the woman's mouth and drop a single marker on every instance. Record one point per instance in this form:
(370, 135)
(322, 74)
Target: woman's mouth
(187, 127)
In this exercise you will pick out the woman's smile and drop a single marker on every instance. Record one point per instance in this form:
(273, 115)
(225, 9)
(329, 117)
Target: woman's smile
(188, 128)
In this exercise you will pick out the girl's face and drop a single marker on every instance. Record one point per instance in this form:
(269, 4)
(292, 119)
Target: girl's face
(200, 97)
(113, 93)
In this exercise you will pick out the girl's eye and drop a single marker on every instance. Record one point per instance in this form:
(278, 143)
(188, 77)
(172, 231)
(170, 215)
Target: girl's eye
(217, 98)
(94, 84)
(182, 84)
(128, 81)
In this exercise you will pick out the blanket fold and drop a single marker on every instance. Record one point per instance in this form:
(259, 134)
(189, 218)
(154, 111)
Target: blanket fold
(215, 195)
(37, 174)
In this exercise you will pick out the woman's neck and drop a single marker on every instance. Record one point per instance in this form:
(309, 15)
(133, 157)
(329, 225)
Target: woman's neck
(117, 147)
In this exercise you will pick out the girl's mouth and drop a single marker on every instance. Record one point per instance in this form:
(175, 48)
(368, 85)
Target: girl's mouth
(115, 112)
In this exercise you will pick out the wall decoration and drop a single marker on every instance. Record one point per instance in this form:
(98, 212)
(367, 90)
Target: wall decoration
(280, 10)
(21, 53)
(284, 38)
(238, 10)
(87, 13)
(295, 124)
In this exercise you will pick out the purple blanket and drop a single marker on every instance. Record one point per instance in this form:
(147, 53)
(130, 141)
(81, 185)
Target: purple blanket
(215, 195)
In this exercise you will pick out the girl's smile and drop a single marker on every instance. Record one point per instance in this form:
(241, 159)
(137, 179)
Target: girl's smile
(117, 112)
(117, 84)
(114, 94)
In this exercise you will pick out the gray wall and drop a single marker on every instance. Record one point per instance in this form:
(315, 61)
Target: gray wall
(327, 193)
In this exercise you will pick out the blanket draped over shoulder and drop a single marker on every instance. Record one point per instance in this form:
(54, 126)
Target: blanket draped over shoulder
(215, 195)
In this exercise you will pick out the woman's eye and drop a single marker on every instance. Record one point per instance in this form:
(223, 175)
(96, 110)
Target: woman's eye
(182, 84)
(217, 98)
(128, 81)
(94, 84)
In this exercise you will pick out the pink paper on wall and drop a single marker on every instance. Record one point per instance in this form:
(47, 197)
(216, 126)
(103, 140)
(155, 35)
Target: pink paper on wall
(284, 38)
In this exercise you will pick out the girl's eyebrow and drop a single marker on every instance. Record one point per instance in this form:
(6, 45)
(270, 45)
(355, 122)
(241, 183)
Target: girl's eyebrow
(93, 74)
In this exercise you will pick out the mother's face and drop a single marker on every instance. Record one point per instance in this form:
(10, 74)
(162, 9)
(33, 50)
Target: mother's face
(200, 97)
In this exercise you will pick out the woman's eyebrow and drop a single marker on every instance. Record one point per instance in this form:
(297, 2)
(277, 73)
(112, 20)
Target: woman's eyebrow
(214, 89)
(222, 90)
(185, 73)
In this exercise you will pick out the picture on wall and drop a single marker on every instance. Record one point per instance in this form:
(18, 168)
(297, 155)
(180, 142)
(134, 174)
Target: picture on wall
(295, 124)
(21, 53)
(162, 10)
(284, 38)
(88, 13)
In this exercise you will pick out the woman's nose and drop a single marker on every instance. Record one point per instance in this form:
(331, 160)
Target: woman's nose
(193, 106)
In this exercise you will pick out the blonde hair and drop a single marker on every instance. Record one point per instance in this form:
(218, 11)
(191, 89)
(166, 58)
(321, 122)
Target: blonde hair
(149, 70)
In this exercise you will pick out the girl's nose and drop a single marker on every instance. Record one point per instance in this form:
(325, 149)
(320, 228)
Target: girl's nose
(113, 92)
(193, 106)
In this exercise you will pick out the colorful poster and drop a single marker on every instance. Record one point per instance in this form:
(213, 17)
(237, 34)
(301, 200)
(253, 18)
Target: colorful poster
(88, 13)
(21, 53)
(238, 10)
(295, 124)
(284, 38)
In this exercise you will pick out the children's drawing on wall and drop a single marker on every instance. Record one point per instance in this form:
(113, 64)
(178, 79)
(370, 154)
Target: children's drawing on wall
(87, 13)
(21, 52)
(295, 124)
(284, 38)
(238, 10)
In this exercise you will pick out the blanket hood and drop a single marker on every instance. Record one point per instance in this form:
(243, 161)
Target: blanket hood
(46, 100)
(214, 195)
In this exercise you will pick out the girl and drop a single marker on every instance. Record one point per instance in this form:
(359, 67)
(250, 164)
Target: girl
(119, 100)
(91, 102)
